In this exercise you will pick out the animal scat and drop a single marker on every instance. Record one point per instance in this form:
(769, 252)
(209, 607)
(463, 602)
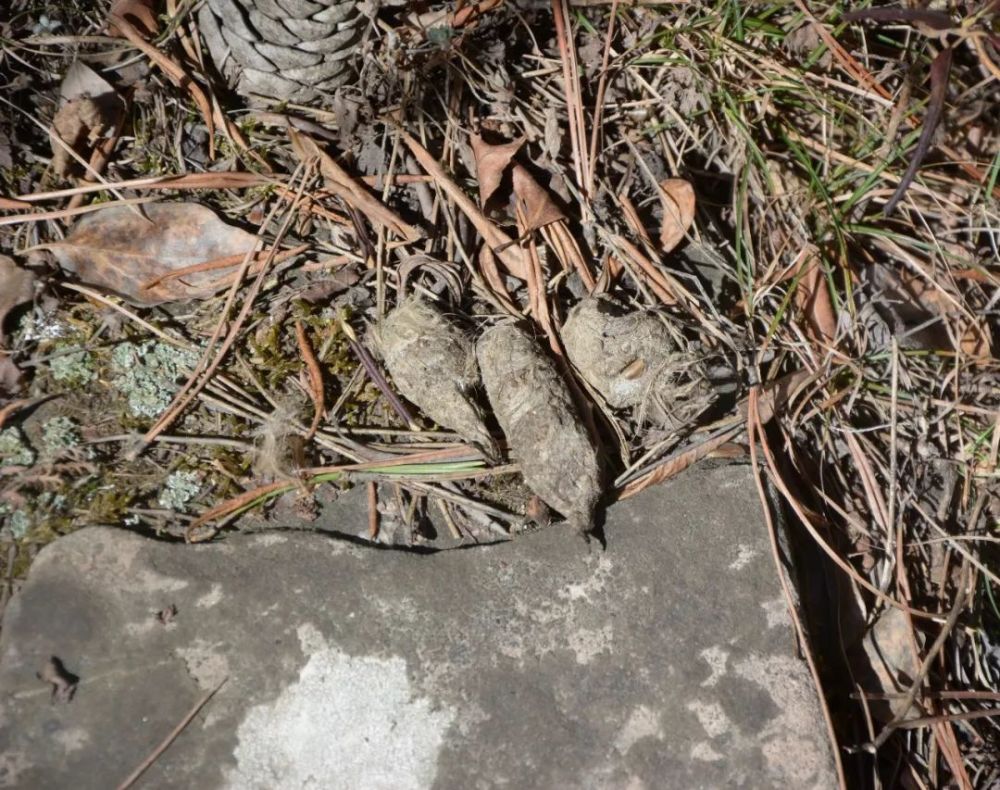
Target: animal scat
(433, 363)
(632, 360)
(535, 410)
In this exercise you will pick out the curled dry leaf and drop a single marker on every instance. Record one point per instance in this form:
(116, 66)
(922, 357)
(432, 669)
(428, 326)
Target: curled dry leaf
(631, 359)
(533, 406)
(139, 12)
(492, 162)
(120, 250)
(812, 297)
(677, 197)
(90, 111)
(17, 286)
(433, 363)
(537, 204)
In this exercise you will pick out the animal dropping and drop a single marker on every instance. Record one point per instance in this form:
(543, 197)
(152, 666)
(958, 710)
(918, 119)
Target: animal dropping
(631, 359)
(433, 363)
(533, 406)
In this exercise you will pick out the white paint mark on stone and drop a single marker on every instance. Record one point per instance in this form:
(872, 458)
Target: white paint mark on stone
(642, 723)
(711, 716)
(72, 739)
(776, 612)
(716, 658)
(269, 539)
(744, 554)
(204, 663)
(211, 598)
(704, 752)
(587, 644)
(347, 722)
(792, 760)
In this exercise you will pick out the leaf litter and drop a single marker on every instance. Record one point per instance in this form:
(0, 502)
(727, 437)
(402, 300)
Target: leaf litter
(675, 213)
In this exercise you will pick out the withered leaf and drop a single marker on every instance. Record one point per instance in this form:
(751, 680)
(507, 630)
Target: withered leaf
(78, 124)
(812, 297)
(80, 80)
(90, 110)
(17, 286)
(538, 206)
(492, 162)
(119, 250)
(677, 197)
(139, 12)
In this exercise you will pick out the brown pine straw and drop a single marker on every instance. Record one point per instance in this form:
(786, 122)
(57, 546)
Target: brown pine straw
(225, 262)
(315, 378)
(174, 71)
(755, 433)
(133, 777)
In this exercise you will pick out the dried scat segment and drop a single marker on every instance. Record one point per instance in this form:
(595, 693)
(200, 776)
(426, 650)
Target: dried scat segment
(533, 406)
(631, 359)
(433, 363)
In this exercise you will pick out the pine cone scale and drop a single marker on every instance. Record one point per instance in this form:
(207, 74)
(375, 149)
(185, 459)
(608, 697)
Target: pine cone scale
(285, 50)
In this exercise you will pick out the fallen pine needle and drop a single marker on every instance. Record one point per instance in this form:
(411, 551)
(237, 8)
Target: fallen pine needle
(165, 743)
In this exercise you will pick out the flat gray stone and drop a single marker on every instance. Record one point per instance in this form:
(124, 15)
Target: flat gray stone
(665, 661)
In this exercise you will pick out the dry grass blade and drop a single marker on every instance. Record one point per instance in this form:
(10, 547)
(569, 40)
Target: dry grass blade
(133, 777)
(935, 105)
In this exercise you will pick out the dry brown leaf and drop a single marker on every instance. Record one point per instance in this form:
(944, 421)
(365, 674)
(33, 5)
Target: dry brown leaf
(974, 337)
(90, 112)
(677, 197)
(536, 203)
(812, 297)
(17, 286)
(120, 251)
(79, 124)
(510, 254)
(139, 12)
(492, 162)
(913, 300)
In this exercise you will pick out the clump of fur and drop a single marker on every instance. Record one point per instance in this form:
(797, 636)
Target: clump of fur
(632, 360)
(533, 406)
(433, 363)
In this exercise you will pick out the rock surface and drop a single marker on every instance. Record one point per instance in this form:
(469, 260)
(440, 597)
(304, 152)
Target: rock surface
(665, 661)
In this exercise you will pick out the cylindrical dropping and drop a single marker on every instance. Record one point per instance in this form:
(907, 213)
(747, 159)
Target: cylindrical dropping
(433, 363)
(535, 410)
(631, 359)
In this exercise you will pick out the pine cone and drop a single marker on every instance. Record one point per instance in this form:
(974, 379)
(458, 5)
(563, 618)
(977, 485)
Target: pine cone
(287, 50)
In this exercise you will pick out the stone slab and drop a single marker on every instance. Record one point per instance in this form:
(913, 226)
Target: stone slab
(665, 661)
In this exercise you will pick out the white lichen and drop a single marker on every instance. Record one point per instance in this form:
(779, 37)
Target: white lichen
(178, 490)
(73, 366)
(148, 374)
(14, 448)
